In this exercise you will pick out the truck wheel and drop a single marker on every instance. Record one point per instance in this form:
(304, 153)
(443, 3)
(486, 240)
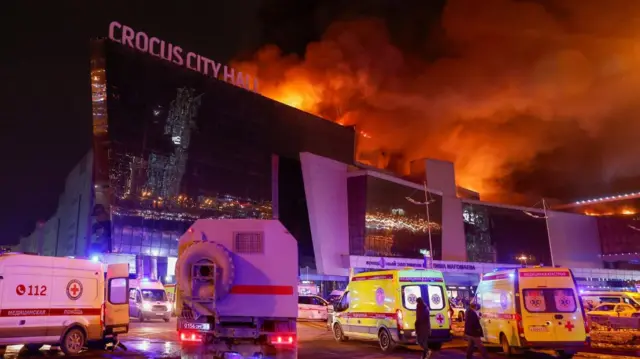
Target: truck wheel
(386, 341)
(73, 342)
(33, 348)
(338, 334)
(506, 348)
(3, 349)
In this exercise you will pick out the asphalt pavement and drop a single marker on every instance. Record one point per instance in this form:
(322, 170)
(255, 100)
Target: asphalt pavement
(159, 340)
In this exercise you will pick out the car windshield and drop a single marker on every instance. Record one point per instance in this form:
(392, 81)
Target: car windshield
(154, 295)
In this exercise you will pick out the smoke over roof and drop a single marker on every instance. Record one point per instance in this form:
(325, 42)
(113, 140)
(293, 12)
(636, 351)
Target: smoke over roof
(537, 98)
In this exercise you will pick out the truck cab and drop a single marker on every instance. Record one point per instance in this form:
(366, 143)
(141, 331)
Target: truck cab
(148, 300)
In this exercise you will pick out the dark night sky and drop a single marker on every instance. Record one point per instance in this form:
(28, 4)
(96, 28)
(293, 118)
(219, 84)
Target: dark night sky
(44, 72)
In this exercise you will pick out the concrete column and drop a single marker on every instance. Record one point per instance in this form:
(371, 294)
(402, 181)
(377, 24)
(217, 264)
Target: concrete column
(139, 266)
(153, 268)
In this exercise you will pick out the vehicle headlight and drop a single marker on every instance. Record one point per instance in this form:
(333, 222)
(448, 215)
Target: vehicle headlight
(146, 306)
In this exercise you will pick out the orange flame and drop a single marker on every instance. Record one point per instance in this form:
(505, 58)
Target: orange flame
(497, 109)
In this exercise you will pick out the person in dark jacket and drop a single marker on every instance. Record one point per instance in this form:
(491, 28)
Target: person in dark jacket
(473, 332)
(423, 327)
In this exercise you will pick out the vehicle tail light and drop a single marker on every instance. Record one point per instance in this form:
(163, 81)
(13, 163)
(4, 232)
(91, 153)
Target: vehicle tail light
(518, 319)
(190, 337)
(400, 319)
(283, 340)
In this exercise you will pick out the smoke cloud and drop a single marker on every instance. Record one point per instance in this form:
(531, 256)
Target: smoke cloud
(528, 99)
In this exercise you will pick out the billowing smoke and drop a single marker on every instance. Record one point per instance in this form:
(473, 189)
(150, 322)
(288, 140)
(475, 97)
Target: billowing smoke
(528, 98)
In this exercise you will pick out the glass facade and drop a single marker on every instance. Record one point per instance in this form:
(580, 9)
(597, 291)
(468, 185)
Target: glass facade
(499, 234)
(619, 235)
(383, 222)
(174, 146)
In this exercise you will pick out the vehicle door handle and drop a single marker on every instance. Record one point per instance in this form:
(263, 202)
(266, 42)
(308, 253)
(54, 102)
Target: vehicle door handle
(548, 323)
(22, 322)
(559, 316)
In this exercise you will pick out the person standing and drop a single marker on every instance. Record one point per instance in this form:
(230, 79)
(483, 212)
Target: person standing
(423, 327)
(473, 332)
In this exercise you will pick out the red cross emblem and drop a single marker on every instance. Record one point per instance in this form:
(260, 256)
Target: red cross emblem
(440, 318)
(74, 289)
(569, 326)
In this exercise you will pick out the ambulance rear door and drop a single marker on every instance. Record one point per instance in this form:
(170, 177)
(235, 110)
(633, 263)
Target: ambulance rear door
(431, 287)
(116, 313)
(550, 307)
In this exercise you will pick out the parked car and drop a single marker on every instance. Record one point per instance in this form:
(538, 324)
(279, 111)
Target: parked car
(613, 310)
(312, 307)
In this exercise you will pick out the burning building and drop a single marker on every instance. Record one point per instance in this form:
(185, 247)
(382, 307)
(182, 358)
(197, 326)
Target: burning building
(171, 145)
(618, 221)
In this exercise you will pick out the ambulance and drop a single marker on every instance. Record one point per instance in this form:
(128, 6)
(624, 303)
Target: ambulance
(61, 301)
(532, 308)
(148, 300)
(382, 306)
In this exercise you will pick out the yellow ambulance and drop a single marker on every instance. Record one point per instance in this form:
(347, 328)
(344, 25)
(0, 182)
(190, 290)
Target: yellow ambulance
(382, 306)
(532, 308)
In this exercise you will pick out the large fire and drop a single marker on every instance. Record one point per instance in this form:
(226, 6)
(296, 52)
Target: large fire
(523, 91)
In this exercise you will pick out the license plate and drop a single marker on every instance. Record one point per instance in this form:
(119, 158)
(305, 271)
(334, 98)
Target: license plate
(538, 328)
(159, 313)
(119, 330)
(196, 326)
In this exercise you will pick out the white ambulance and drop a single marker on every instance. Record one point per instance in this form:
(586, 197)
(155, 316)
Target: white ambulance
(148, 300)
(532, 308)
(61, 301)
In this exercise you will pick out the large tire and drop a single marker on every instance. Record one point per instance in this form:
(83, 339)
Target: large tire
(73, 341)
(338, 334)
(200, 252)
(504, 344)
(385, 340)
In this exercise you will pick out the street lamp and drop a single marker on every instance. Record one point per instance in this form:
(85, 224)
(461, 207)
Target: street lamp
(546, 222)
(426, 204)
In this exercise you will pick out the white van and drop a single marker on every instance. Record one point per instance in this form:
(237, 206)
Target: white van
(61, 301)
(148, 300)
(532, 308)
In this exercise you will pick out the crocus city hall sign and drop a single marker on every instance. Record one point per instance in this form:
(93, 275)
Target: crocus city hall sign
(140, 41)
